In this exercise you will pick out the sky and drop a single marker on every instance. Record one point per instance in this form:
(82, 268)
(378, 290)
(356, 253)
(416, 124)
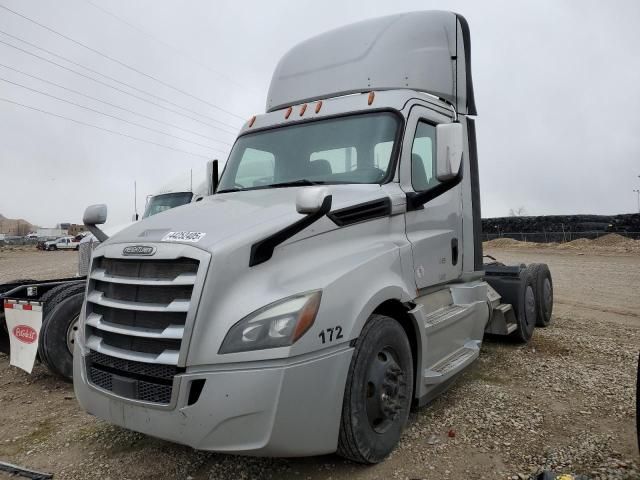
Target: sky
(556, 85)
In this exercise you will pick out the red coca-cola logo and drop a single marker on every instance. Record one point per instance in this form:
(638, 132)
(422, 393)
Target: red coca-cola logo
(25, 333)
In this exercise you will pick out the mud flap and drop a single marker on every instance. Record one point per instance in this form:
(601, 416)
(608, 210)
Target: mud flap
(24, 321)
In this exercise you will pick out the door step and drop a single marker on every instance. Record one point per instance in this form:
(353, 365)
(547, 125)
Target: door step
(451, 365)
(443, 317)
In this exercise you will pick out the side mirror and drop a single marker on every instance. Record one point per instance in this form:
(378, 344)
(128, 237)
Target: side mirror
(96, 215)
(312, 199)
(449, 148)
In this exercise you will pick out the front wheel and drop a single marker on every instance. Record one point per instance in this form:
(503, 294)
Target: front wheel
(378, 392)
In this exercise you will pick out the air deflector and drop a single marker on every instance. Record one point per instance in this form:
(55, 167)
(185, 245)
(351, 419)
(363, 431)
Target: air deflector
(426, 51)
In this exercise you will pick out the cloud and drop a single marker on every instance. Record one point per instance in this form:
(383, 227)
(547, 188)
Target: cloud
(556, 88)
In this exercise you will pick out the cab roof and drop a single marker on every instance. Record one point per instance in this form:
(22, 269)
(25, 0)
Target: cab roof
(425, 51)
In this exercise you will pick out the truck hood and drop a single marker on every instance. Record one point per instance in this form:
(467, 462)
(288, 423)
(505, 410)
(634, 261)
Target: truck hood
(237, 216)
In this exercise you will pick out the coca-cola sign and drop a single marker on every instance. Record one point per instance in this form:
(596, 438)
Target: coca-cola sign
(25, 333)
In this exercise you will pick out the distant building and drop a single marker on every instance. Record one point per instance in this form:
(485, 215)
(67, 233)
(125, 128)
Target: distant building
(51, 232)
(74, 229)
(18, 228)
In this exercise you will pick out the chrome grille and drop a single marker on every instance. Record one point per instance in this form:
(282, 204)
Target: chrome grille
(136, 315)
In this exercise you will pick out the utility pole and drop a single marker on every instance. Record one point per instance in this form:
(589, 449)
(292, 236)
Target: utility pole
(135, 200)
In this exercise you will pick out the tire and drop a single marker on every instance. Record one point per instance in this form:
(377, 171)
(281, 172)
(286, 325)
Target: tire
(61, 309)
(526, 318)
(378, 392)
(638, 403)
(544, 294)
(5, 346)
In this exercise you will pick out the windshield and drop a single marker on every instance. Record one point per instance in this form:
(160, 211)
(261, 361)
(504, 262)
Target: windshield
(353, 149)
(166, 201)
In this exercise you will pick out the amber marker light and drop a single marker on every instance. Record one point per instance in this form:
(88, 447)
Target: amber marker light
(372, 95)
(287, 114)
(318, 106)
(303, 109)
(307, 316)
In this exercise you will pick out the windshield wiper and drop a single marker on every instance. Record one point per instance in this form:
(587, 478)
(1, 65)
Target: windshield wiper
(303, 182)
(295, 183)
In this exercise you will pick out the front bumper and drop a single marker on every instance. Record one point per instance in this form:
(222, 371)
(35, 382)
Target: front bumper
(289, 409)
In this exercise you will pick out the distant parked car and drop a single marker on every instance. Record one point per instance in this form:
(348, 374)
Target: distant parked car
(62, 243)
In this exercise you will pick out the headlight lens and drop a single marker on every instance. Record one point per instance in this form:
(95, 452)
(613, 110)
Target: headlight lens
(279, 324)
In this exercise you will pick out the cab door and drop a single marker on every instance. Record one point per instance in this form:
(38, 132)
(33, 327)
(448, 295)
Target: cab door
(435, 228)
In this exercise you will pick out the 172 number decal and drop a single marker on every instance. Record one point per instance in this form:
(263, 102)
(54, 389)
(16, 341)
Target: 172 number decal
(330, 334)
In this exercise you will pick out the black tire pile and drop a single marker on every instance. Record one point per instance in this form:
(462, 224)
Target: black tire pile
(558, 228)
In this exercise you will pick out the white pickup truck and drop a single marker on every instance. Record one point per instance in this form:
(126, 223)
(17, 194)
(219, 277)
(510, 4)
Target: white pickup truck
(63, 243)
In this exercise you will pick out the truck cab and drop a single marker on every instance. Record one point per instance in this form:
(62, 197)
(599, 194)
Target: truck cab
(335, 278)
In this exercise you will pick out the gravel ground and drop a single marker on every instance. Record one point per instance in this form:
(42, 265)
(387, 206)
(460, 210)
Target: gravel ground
(31, 263)
(564, 402)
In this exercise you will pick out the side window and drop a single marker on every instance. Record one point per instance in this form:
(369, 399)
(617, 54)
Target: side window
(337, 160)
(256, 167)
(423, 158)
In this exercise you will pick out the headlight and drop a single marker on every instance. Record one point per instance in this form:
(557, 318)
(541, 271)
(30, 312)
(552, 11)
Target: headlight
(277, 325)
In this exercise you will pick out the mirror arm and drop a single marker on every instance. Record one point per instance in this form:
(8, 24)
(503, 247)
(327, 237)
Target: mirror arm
(416, 200)
(99, 234)
(214, 177)
(262, 250)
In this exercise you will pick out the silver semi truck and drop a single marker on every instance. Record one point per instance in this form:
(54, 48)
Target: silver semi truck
(334, 280)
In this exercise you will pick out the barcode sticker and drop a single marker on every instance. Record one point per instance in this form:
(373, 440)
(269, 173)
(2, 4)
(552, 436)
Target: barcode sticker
(183, 236)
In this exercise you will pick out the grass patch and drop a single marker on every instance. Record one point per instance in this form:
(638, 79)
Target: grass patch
(42, 432)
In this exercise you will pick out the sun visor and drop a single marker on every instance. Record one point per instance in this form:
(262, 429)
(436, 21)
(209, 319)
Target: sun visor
(426, 51)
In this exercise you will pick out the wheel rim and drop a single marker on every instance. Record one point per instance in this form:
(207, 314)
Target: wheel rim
(547, 295)
(384, 390)
(529, 307)
(71, 333)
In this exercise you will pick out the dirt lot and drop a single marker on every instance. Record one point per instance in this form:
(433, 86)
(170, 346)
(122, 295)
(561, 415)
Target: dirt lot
(565, 401)
(30, 263)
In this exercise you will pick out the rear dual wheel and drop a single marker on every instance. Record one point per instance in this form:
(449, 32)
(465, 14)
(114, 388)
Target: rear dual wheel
(378, 392)
(526, 311)
(535, 302)
(544, 294)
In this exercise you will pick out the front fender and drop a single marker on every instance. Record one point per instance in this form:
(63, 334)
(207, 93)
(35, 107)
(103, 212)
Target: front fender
(357, 268)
